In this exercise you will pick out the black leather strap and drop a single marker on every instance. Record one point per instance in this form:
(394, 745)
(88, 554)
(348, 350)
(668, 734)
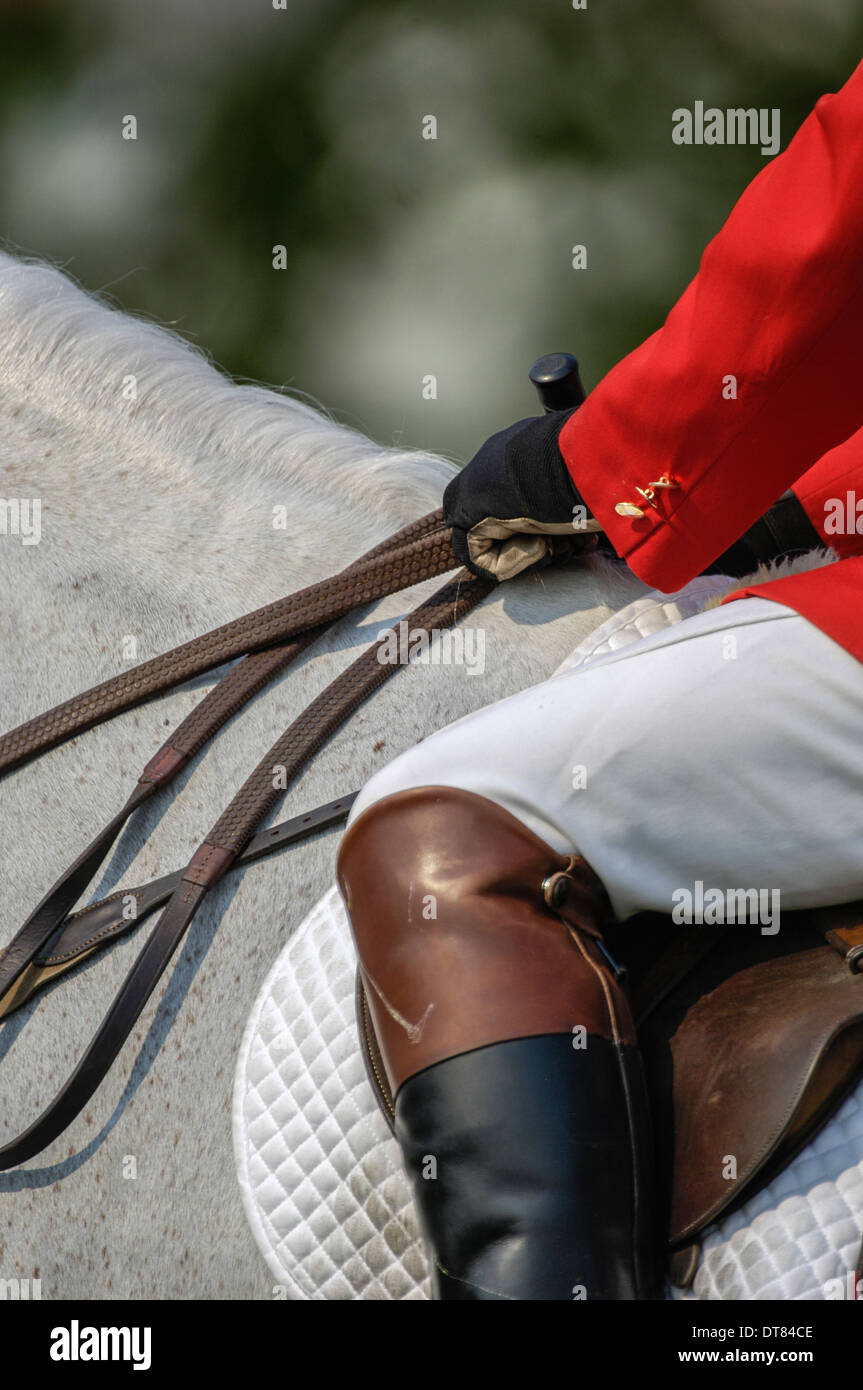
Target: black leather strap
(44, 920)
(112, 1032)
(783, 531)
(103, 922)
(229, 695)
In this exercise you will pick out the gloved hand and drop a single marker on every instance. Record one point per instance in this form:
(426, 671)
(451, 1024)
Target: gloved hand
(513, 497)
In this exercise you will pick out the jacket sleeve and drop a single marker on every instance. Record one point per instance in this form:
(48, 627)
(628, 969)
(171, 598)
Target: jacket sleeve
(831, 494)
(756, 373)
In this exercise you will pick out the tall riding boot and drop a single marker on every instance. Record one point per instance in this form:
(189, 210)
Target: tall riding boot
(509, 1049)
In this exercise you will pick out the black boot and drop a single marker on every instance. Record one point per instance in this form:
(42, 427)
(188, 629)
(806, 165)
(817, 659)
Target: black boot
(493, 1018)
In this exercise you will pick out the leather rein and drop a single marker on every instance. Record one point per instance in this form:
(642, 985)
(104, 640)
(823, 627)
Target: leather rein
(54, 939)
(267, 640)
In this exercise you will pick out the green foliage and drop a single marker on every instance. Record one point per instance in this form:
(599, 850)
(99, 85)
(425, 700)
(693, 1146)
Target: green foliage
(302, 127)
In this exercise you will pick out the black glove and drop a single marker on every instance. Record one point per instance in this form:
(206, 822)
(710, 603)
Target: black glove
(513, 497)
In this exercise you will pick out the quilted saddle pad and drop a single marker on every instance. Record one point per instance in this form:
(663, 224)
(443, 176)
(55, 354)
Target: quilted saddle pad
(321, 1176)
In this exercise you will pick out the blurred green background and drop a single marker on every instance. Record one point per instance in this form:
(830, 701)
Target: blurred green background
(303, 126)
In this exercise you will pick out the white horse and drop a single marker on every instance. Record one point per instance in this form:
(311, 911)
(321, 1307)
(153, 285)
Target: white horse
(147, 499)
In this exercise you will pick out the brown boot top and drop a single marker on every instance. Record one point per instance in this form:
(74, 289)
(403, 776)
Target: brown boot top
(457, 944)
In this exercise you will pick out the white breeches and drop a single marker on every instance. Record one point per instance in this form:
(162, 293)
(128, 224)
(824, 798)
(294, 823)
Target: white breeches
(726, 749)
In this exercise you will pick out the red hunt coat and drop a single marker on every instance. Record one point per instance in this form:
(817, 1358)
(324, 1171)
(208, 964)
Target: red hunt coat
(753, 384)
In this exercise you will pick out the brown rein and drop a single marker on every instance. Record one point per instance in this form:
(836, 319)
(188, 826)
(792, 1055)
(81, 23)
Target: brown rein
(269, 639)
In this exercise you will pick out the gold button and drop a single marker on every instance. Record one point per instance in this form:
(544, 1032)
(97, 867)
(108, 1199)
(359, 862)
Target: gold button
(664, 481)
(628, 509)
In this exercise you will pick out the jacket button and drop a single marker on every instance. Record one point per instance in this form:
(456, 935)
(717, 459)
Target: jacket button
(628, 509)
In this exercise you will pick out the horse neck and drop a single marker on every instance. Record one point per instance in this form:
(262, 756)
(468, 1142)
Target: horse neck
(174, 500)
(122, 428)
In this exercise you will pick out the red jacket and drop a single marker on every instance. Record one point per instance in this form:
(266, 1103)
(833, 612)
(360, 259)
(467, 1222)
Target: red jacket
(754, 383)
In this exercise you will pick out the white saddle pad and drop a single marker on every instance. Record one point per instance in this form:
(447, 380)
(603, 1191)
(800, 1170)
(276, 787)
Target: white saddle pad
(321, 1175)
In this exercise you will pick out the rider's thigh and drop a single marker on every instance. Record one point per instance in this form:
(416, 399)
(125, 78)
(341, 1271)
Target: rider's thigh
(725, 749)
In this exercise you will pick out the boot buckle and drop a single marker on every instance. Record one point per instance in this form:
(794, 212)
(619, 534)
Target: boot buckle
(555, 888)
(555, 893)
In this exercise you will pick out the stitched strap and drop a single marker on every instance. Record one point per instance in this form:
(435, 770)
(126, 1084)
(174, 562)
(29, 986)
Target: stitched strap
(220, 848)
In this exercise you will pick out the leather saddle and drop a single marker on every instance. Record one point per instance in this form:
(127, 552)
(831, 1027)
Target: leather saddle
(750, 1043)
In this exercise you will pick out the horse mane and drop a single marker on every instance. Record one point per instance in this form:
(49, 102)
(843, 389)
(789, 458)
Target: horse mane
(102, 381)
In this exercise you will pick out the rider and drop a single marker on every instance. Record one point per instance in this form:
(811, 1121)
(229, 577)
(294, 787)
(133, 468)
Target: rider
(478, 870)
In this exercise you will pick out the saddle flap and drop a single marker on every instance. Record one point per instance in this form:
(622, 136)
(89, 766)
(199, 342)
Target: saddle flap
(745, 1060)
